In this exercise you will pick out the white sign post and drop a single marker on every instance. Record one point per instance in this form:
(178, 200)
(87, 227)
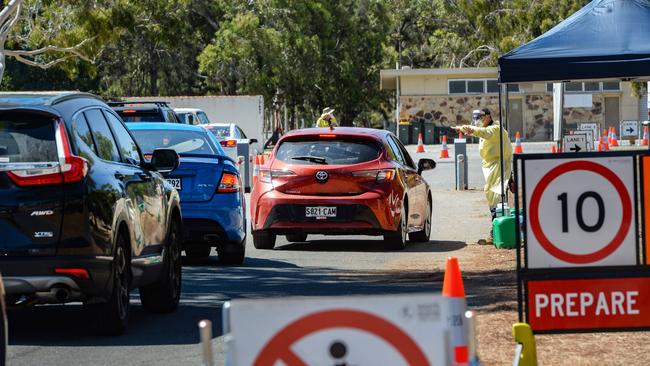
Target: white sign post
(593, 127)
(589, 137)
(581, 212)
(352, 330)
(574, 143)
(629, 129)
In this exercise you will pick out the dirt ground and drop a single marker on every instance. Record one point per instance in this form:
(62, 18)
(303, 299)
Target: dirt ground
(489, 276)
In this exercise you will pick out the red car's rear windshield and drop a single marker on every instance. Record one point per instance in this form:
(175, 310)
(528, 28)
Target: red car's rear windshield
(327, 151)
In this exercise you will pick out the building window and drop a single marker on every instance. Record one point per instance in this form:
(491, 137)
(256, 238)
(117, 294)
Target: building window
(588, 86)
(476, 86)
(457, 87)
(573, 87)
(513, 88)
(492, 86)
(611, 86)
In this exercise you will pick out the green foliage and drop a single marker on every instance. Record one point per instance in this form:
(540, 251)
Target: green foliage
(301, 55)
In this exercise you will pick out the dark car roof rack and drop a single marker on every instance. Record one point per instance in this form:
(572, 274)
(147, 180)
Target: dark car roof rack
(132, 103)
(45, 98)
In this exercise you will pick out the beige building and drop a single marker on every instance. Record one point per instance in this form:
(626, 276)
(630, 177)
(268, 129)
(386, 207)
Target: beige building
(447, 97)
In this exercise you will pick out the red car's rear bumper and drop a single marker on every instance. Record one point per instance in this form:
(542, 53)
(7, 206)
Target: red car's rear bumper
(367, 213)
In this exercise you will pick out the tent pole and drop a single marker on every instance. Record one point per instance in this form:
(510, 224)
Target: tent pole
(501, 122)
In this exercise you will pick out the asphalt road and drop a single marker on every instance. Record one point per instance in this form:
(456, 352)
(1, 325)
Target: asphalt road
(60, 335)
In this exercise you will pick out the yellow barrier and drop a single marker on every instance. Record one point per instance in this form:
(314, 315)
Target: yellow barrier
(524, 336)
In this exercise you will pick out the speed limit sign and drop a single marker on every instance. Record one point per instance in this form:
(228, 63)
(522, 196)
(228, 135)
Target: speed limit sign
(581, 212)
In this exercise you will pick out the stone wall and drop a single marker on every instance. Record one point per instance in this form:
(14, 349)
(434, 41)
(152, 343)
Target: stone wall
(447, 111)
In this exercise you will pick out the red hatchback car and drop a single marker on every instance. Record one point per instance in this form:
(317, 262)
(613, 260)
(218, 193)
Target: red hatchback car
(344, 181)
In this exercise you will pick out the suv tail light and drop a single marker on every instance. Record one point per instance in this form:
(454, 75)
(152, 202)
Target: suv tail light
(229, 183)
(228, 143)
(380, 175)
(70, 169)
(266, 175)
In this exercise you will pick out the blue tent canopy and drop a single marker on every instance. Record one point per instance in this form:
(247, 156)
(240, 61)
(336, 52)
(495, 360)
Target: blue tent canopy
(607, 39)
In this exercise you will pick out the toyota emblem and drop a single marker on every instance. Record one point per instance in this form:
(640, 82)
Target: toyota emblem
(322, 176)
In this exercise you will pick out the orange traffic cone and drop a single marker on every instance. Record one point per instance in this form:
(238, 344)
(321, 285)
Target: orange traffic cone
(261, 159)
(614, 141)
(644, 142)
(554, 149)
(454, 290)
(444, 153)
(601, 147)
(256, 169)
(518, 149)
(420, 144)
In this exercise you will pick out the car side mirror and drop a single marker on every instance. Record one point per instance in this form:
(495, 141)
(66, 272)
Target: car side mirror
(252, 141)
(425, 164)
(164, 160)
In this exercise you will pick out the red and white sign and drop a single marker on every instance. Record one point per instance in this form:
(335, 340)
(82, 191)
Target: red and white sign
(355, 330)
(606, 303)
(580, 212)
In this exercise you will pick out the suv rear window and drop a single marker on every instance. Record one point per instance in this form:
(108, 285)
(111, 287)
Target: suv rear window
(141, 116)
(27, 138)
(181, 141)
(330, 151)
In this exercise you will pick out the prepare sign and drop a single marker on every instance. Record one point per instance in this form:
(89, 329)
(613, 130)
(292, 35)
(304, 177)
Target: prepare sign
(581, 212)
(355, 330)
(601, 303)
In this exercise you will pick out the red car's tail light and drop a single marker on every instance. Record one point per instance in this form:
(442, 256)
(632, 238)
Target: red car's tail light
(229, 183)
(327, 135)
(80, 273)
(380, 175)
(267, 175)
(228, 143)
(71, 168)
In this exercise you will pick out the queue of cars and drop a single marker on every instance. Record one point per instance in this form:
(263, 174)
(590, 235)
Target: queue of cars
(98, 199)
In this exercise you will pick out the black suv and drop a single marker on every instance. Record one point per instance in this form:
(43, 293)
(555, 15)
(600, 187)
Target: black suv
(83, 217)
(145, 111)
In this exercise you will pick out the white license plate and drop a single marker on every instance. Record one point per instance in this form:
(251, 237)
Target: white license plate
(320, 211)
(176, 183)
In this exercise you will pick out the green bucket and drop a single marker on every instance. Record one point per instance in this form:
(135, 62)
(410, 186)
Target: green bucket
(503, 229)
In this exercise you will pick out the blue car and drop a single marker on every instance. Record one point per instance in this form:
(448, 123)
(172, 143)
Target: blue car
(209, 185)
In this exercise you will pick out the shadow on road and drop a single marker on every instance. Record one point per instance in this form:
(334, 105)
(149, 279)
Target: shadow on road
(205, 287)
(334, 245)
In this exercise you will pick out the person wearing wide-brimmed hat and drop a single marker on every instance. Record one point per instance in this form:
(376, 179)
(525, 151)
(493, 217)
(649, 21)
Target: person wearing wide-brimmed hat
(327, 119)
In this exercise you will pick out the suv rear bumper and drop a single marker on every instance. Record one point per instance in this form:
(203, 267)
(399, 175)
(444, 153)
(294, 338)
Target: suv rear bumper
(36, 279)
(368, 212)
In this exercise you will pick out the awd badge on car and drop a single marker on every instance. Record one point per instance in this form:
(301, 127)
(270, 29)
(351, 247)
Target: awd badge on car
(322, 176)
(42, 213)
(43, 234)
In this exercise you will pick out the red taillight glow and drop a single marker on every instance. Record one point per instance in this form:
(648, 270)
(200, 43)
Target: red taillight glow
(229, 183)
(129, 111)
(79, 273)
(228, 143)
(71, 168)
(380, 175)
(327, 135)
